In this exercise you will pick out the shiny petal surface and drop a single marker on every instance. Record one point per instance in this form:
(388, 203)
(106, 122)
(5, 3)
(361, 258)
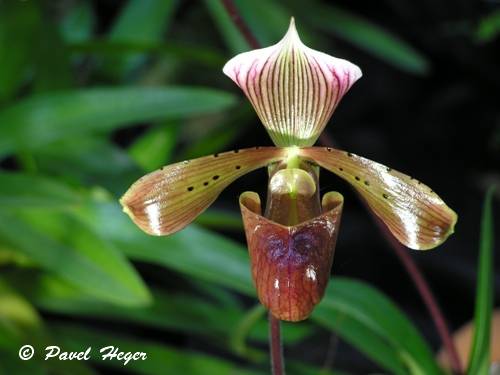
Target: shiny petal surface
(294, 89)
(291, 264)
(414, 214)
(168, 199)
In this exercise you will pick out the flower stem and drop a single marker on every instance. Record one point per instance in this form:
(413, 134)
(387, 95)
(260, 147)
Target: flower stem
(275, 346)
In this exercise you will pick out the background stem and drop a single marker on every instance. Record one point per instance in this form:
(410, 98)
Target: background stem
(428, 298)
(232, 10)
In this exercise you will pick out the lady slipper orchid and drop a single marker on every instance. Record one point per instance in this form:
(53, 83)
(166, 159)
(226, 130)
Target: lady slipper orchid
(294, 90)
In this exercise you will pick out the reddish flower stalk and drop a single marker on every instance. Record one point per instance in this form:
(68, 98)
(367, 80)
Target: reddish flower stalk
(275, 346)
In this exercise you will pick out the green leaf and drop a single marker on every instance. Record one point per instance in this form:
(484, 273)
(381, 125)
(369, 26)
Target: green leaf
(24, 190)
(268, 23)
(139, 21)
(143, 20)
(154, 148)
(489, 27)
(379, 327)
(192, 251)
(174, 51)
(42, 119)
(52, 70)
(219, 219)
(369, 37)
(233, 38)
(161, 359)
(479, 362)
(78, 23)
(80, 161)
(212, 139)
(62, 245)
(189, 314)
(18, 24)
(20, 324)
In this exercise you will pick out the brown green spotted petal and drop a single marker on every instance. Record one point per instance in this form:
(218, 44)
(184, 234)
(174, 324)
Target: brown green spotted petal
(414, 214)
(294, 89)
(168, 199)
(291, 264)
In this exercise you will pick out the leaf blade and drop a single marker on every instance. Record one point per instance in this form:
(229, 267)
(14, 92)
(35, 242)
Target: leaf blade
(39, 120)
(480, 353)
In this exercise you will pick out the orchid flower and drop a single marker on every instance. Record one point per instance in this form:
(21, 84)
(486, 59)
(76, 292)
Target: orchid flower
(294, 90)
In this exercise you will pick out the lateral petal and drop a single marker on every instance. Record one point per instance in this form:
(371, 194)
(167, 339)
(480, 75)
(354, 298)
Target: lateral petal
(168, 199)
(413, 213)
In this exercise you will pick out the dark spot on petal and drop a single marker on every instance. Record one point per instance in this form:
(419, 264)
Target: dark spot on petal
(205, 183)
(341, 169)
(349, 154)
(236, 151)
(216, 155)
(357, 178)
(389, 169)
(238, 167)
(367, 183)
(191, 188)
(328, 149)
(216, 177)
(385, 196)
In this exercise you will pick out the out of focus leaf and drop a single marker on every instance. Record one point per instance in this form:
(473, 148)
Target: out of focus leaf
(160, 359)
(198, 252)
(18, 24)
(172, 51)
(46, 118)
(142, 21)
(369, 37)
(221, 220)
(174, 312)
(52, 70)
(24, 190)
(88, 160)
(216, 138)
(479, 362)
(78, 23)
(489, 27)
(268, 23)
(395, 342)
(233, 38)
(75, 253)
(154, 148)
(20, 324)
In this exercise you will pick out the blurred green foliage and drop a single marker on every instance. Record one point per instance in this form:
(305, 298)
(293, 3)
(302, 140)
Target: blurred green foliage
(68, 94)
